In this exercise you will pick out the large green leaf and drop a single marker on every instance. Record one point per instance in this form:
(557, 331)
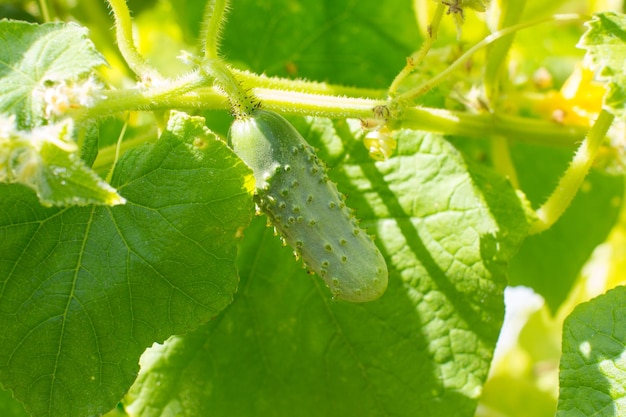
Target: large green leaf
(84, 290)
(362, 43)
(284, 348)
(593, 365)
(32, 55)
(605, 42)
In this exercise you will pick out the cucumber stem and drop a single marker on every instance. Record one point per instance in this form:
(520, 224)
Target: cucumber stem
(242, 101)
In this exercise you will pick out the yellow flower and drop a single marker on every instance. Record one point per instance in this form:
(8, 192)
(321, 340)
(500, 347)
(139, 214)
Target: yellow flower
(578, 101)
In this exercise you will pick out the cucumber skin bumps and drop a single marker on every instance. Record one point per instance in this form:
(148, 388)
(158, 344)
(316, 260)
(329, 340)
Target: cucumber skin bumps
(306, 208)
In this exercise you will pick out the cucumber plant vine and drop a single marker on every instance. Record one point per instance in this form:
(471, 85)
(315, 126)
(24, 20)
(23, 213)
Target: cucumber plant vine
(166, 248)
(313, 102)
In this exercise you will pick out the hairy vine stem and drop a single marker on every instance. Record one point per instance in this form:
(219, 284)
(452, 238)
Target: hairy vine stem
(214, 18)
(126, 44)
(244, 89)
(574, 176)
(415, 59)
(187, 94)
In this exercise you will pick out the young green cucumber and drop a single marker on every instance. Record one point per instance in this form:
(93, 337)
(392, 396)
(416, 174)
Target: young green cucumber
(292, 188)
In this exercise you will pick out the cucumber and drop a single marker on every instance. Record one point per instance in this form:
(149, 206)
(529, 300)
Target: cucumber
(306, 208)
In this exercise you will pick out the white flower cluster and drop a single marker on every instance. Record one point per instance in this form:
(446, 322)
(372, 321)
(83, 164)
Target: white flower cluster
(20, 151)
(60, 97)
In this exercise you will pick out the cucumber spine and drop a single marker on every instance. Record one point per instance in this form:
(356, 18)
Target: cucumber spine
(305, 207)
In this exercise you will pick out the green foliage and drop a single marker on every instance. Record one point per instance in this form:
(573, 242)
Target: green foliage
(121, 293)
(86, 289)
(40, 66)
(316, 39)
(592, 378)
(606, 46)
(423, 348)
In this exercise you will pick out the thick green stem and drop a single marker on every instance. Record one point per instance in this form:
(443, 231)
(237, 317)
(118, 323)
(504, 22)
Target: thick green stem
(124, 34)
(318, 104)
(464, 124)
(214, 17)
(163, 97)
(573, 177)
(185, 94)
